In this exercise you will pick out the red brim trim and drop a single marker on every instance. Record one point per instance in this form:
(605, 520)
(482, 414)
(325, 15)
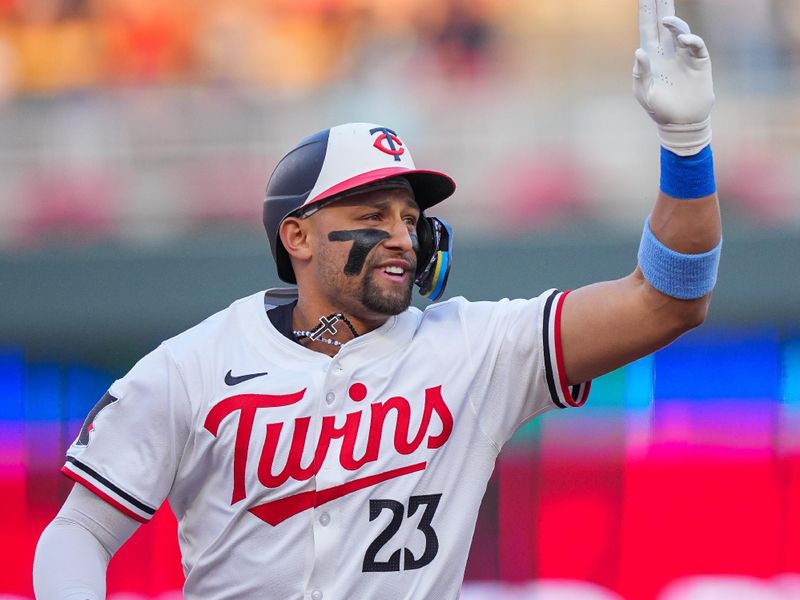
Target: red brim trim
(94, 489)
(386, 173)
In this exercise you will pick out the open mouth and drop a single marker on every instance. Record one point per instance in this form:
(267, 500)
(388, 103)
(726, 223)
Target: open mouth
(393, 273)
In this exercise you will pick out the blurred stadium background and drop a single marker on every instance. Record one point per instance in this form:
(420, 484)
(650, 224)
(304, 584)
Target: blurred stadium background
(136, 137)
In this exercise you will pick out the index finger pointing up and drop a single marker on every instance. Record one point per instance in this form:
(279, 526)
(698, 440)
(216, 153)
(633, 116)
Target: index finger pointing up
(650, 14)
(648, 23)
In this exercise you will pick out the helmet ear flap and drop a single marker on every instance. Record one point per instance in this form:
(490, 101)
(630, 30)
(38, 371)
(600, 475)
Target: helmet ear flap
(425, 243)
(434, 256)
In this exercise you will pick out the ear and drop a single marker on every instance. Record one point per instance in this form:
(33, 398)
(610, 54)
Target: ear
(294, 234)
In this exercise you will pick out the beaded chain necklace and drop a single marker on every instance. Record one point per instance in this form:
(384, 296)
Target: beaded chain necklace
(326, 325)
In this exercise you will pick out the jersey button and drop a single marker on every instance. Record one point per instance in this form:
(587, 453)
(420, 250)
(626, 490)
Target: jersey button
(330, 397)
(324, 519)
(316, 595)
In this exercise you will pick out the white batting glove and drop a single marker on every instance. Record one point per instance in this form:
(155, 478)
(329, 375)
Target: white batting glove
(672, 78)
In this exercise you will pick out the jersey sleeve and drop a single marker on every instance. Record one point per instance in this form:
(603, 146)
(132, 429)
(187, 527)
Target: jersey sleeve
(515, 351)
(128, 449)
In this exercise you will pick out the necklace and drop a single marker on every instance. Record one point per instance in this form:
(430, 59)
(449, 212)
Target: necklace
(299, 335)
(326, 324)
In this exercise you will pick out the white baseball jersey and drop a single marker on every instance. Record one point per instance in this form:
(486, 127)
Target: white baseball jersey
(298, 475)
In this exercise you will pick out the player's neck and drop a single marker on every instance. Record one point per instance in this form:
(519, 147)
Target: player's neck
(329, 324)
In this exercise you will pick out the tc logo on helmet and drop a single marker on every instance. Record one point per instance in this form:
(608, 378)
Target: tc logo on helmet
(394, 145)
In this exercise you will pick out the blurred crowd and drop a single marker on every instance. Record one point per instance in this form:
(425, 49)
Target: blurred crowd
(143, 117)
(51, 46)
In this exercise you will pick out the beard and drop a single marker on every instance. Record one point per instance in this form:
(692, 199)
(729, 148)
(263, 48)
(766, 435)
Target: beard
(383, 301)
(351, 295)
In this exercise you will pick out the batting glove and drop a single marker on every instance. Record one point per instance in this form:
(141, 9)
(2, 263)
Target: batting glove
(672, 78)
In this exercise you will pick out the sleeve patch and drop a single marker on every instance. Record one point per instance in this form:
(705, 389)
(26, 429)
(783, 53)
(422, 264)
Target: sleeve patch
(88, 424)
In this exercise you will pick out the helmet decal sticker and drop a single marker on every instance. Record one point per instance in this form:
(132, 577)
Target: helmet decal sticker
(388, 142)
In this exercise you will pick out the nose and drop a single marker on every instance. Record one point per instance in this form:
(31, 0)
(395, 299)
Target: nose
(400, 236)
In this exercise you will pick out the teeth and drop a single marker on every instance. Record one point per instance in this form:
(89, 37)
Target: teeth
(393, 270)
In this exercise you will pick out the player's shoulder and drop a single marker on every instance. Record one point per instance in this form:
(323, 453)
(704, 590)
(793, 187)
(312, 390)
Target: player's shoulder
(460, 304)
(446, 312)
(438, 311)
(460, 308)
(215, 330)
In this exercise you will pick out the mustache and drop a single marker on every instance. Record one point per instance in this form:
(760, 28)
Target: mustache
(410, 258)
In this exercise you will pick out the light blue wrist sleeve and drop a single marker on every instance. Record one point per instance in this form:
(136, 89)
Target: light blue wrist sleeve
(682, 276)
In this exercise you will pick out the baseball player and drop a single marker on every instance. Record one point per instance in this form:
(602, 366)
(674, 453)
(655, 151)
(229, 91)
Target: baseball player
(329, 441)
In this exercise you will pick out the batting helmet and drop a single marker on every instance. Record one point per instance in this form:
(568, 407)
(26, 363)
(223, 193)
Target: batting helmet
(339, 160)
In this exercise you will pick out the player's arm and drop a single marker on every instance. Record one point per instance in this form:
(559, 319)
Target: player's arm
(125, 459)
(75, 548)
(606, 325)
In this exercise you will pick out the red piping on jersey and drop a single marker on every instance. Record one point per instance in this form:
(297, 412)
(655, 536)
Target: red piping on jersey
(92, 488)
(562, 376)
(277, 511)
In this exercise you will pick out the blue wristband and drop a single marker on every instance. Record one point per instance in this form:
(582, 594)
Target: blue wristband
(688, 177)
(682, 276)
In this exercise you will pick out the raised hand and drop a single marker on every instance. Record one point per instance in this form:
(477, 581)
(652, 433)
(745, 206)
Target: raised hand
(672, 78)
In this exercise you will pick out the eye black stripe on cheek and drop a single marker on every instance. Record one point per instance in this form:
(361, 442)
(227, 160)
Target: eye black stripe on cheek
(364, 240)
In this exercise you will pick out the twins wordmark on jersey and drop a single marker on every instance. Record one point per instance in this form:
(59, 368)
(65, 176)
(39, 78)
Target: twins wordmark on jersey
(390, 418)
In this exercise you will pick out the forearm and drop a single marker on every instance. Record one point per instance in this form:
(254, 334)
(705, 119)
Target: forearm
(687, 226)
(691, 227)
(75, 549)
(680, 247)
(70, 563)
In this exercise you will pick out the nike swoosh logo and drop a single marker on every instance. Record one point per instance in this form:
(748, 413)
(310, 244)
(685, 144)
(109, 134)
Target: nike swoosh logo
(277, 511)
(237, 379)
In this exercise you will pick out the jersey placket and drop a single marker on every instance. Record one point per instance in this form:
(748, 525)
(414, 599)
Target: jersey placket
(327, 522)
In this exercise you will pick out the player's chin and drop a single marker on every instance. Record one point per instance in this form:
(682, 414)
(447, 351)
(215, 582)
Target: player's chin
(386, 297)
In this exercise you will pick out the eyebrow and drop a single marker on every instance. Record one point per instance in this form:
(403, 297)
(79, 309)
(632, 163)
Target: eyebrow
(383, 203)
